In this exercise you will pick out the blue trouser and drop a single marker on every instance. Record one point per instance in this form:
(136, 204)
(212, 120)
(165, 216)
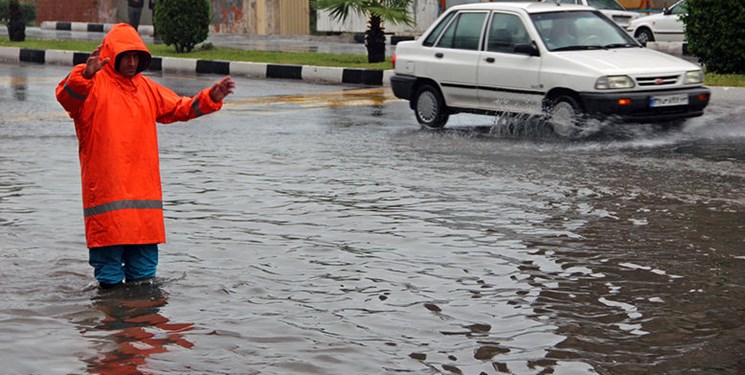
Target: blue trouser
(114, 264)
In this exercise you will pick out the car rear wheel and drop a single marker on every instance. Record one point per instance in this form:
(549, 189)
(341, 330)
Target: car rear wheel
(644, 35)
(564, 114)
(429, 107)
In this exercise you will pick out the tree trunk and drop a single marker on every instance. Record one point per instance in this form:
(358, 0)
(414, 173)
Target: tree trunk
(375, 41)
(16, 26)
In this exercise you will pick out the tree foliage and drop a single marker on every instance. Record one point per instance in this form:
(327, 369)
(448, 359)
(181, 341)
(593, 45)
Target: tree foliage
(715, 30)
(377, 11)
(28, 12)
(182, 23)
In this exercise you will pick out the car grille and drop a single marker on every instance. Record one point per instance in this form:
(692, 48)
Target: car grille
(656, 81)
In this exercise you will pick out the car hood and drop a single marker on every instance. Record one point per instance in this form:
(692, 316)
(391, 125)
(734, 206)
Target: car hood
(647, 19)
(626, 61)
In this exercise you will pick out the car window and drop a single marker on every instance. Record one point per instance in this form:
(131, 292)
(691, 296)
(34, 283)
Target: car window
(464, 32)
(505, 31)
(432, 37)
(579, 31)
(679, 8)
(605, 4)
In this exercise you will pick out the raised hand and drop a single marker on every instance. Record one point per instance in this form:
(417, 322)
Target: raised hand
(222, 88)
(94, 63)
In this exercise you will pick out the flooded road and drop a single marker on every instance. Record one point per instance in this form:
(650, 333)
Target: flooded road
(318, 230)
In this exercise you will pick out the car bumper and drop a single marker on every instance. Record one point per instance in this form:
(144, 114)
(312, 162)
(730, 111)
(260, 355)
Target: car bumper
(402, 86)
(637, 106)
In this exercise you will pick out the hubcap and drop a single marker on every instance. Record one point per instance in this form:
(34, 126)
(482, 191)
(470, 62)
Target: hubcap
(643, 38)
(563, 118)
(426, 106)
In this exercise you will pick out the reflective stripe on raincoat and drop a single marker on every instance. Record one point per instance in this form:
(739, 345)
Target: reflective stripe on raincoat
(115, 121)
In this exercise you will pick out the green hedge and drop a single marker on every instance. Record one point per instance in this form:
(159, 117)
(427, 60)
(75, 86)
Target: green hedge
(28, 12)
(715, 30)
(182, 23)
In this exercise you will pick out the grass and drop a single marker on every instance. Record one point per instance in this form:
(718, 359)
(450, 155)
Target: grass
(731, 80)
(298, 58)
(217, 53)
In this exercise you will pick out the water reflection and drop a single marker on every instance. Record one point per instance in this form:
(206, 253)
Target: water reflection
(20, 87)
(132, 329)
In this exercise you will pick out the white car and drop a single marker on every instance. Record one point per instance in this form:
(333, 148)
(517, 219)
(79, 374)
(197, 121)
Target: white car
(663, 27)
(562, 62)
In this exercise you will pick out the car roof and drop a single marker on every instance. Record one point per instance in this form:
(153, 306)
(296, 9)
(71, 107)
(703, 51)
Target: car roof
(528, 7)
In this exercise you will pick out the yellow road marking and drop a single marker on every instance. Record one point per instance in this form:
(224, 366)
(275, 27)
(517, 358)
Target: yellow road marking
(333, 99)
(36, 116)
(17, 81)
(260, 105)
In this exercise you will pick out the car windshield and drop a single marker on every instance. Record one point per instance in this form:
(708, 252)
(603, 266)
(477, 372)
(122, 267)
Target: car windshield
(605, 4)
(678, 8)
(582, 30)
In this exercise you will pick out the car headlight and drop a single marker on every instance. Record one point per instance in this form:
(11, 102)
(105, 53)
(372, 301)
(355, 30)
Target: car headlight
(614, 82)
(694, 76)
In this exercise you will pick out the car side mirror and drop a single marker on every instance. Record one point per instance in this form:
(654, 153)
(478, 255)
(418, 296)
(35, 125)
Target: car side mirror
(529, 49)
(667, 11)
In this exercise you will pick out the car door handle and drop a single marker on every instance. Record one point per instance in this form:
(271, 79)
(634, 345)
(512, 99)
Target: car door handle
(439, 55)
(489, 59)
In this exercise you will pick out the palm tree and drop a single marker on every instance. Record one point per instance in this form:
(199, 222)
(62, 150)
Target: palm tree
(378, 11)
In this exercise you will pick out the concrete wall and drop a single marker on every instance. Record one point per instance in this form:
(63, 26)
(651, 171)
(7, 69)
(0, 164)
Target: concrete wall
(283, 17)
(232, 16)
(264, 17)
(99, 11)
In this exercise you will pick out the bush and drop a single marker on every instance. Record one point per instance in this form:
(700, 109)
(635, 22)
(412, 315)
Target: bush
(182, 23)
(28, 12)
(715, 33)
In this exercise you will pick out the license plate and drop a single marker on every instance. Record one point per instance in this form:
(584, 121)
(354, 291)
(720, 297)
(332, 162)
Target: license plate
(668, 100)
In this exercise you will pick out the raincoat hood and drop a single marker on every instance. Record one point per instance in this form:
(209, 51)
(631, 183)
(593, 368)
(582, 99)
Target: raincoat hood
(122, 38)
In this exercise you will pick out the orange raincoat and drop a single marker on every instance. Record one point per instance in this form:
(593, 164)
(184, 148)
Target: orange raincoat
(115, 121)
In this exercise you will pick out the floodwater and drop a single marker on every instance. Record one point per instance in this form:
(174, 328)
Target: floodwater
(318, 230)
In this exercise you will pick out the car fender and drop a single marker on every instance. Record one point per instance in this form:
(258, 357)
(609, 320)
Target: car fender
(558, 71)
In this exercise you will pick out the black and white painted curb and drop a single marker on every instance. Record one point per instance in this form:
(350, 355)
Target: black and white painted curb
(90, 27)
(309, 73)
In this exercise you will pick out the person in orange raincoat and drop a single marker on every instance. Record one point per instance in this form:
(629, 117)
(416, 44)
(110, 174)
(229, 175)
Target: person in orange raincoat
(115, 109)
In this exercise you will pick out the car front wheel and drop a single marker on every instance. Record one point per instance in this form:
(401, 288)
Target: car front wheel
(429, 107)
(643, 36)
(565, 116)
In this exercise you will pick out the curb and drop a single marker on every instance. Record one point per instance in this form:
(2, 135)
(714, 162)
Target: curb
(309, 73)
(389, 38)
(92, 27)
